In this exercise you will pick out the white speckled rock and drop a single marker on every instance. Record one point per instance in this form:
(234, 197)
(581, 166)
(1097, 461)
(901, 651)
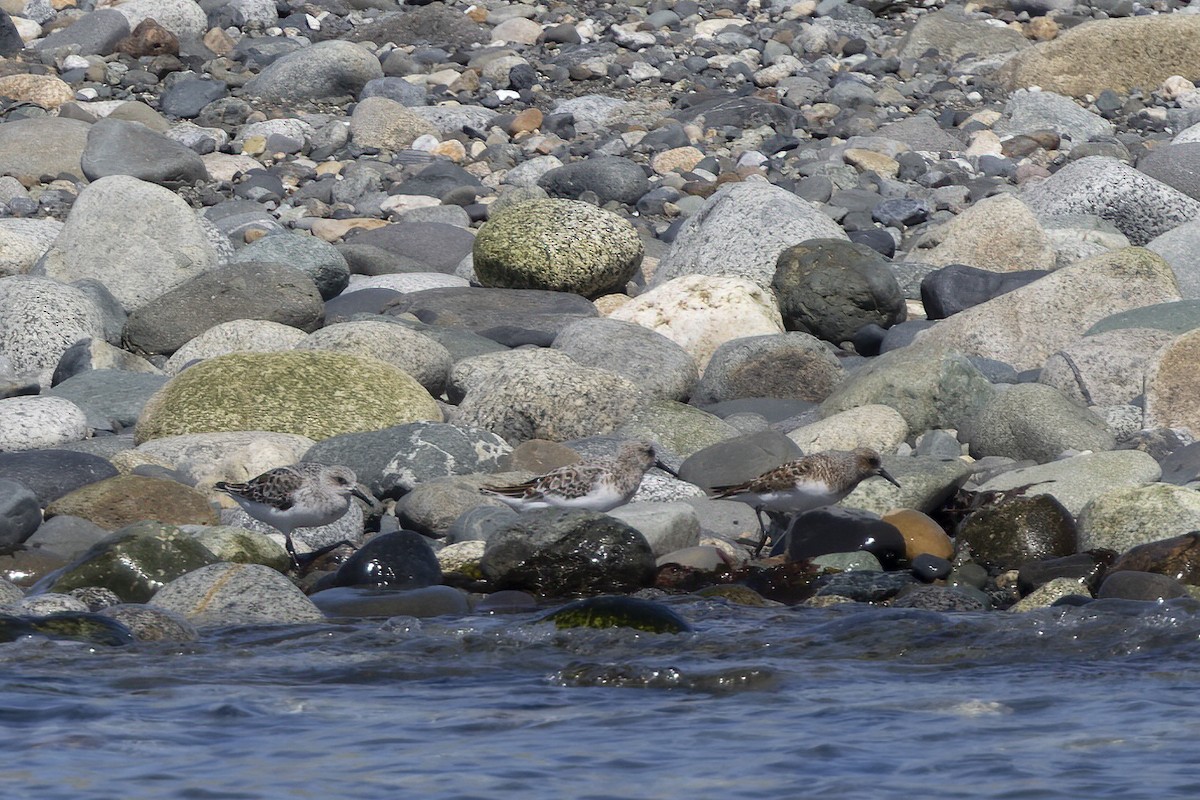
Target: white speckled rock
(702, 312)
(23, 241)
(184, 18)
(998, 233)
(1138, 205)
(236, 594)
(32, 423)
(413, 352)
(740, 232)
(41, 318)
(139, 239)
(1125, 518)
(240, 335)
(405, 282)
(878, 426)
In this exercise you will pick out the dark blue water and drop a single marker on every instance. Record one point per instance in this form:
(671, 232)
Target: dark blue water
(1091, 702)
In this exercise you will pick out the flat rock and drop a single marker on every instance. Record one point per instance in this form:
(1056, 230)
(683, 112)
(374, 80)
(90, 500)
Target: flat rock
(50, 474)
(117, 147)
(266, 291)
(24, 155)
(319, 260)
(1036, 422)
(437, 245)
(1078, 480)
(509, 316)
(113, 395)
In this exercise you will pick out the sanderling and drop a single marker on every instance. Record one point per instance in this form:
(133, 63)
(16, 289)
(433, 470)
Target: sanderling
(598, 485)
(298, 496)
(809, 482)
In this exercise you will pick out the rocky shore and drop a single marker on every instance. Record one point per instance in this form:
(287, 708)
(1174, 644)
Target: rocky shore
(449, 244)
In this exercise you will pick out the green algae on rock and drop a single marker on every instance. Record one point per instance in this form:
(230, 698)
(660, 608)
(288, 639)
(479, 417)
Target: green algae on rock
(313, 394)
(135, 562)
(614, 611)
(77, 626)
(560, 245)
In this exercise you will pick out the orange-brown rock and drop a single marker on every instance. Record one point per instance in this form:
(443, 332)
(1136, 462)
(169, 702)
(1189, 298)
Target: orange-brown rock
(149, 39)
(921, 534)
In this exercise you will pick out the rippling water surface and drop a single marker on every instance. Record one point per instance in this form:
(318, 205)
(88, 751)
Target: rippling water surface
(1091, 702)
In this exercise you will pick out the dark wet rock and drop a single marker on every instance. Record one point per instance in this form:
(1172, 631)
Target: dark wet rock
(508, 316)
(273, 292)
(440, 179)
(938, 598)
(187, 98)
(958, 287)
(20, 514)
(928, 567)
(611, 611)
(109, 394)
(1089, 568)
(50, 474)
(398, 89)
(359, 601)
(1182, 465)
(75, 626)
(1130, 585)
(831, 288)
(115, 502)
(440, 247)
(863, 586)
(1177, 317)
(835, 529)
(135, 562)
(236, 594)
(10, 38)
(651, 361)
(608, 177)
(150, 624)
(556, 553)
(1177, 557)
(720, 109)
(393, 461)
(401, 560)
(1019, 530)
(117, 147)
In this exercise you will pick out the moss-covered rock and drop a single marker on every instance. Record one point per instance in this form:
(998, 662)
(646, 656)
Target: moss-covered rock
(612, 611)
(135, 562)
(313, 394)
(560, 245)
(74, 625)
(116, 502)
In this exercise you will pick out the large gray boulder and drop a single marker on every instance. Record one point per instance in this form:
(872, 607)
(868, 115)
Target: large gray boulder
(323, 71)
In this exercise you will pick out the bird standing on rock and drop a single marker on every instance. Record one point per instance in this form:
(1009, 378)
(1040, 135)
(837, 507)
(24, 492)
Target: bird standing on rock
(302, 495)
(809, 482)
(599, 485)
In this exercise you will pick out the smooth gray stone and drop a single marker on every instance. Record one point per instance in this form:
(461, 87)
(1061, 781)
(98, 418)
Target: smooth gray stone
(118, 147)
(95, 33)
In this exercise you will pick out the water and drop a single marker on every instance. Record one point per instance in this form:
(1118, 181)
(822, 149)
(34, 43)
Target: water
(1092, 702)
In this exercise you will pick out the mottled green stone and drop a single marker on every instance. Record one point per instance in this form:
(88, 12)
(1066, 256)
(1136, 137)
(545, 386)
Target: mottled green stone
(311, 393)
(559, 245)
(614, 611)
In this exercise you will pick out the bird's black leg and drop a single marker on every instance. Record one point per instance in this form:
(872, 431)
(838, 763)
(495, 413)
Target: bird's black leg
(291, 548)
(313, 555)
(763, 530)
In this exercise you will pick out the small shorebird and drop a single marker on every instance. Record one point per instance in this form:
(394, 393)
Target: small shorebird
(598, 485)
(303, 495)
(809, 482)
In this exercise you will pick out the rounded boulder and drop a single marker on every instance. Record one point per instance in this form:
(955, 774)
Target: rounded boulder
(560, 245)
